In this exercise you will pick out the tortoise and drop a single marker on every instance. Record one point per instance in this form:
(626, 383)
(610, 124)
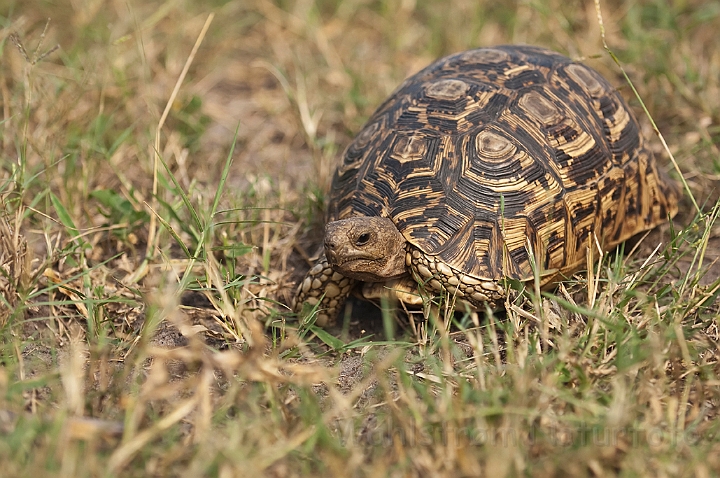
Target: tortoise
(490, 164)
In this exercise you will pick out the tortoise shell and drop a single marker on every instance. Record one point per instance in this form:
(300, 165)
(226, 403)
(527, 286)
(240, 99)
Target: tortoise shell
(490, 155)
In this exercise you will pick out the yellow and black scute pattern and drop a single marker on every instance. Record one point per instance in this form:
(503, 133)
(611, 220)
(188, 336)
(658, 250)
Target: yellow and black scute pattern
(489, 154)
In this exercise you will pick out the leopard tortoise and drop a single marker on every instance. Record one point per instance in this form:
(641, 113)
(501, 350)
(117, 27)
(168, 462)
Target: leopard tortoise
(479, 166)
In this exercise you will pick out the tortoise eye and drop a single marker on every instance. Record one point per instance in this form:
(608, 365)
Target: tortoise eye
(362, 239)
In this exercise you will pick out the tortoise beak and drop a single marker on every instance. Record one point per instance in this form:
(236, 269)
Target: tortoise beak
(331, 253)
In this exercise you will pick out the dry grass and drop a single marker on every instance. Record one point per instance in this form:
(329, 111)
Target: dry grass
(145, 258)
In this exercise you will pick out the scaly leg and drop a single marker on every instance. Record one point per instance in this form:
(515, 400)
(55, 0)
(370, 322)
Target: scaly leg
(321, 279)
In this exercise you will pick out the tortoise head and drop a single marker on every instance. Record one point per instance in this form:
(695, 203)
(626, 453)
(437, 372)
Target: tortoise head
(369, 249)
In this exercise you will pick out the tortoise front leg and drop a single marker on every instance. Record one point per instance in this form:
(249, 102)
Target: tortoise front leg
(321, 279)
